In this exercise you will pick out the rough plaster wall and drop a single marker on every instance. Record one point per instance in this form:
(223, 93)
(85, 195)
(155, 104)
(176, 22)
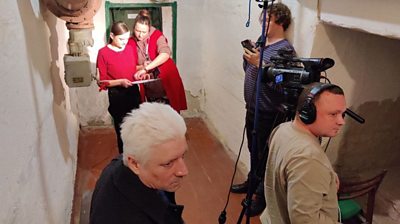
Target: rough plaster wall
(302, 29)
(377, 17)
(367, 68)
(38, 132)
(190, 51)
(222, 69)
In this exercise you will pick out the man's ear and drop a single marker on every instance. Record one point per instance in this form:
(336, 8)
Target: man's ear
(112, 36)
(133, 164)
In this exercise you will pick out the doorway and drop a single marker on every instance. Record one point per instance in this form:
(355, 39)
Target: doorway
(163, 16)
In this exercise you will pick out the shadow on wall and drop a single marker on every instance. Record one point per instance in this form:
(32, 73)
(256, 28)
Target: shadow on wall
(44, 73)
(36, 37)
(367, 68)
(371, 62)
(90, 104)
(374, 145)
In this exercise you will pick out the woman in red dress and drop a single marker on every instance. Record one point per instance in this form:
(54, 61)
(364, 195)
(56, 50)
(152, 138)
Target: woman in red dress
(154, 58)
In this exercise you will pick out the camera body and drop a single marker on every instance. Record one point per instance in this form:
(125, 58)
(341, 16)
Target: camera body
(290, 71)
(290, 74)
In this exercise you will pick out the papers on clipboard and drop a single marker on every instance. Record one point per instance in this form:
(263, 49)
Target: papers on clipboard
(143, 81)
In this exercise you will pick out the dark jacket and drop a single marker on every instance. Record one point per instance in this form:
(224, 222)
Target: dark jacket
(120, 197)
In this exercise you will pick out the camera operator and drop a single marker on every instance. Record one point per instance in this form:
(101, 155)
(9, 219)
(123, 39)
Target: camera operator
(300, 183)
(270, 98)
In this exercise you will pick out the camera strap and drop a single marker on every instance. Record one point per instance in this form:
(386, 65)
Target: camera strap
(146, 53)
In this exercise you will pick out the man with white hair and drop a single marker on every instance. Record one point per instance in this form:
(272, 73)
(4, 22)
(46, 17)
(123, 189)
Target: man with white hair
(137, 187)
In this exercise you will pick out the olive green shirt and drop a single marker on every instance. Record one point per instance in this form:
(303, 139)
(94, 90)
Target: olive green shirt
(300, 183)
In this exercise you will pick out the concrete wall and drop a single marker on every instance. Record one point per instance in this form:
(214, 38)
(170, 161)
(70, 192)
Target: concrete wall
(38, 132)
(40, 115)
(366, 67)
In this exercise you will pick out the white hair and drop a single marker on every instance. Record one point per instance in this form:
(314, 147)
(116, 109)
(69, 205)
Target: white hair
(152, 124)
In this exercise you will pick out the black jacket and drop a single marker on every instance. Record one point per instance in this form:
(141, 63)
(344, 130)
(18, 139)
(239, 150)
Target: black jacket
(120, 197)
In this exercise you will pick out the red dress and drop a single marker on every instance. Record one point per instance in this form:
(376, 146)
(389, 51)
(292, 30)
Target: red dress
(169, 75)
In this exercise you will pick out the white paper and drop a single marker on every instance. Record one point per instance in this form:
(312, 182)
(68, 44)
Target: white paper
(143, 81)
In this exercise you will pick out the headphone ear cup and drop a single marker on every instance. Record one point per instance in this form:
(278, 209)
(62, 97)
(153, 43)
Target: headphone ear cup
(308, 112)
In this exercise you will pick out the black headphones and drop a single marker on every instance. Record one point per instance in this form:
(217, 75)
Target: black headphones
(308, 111)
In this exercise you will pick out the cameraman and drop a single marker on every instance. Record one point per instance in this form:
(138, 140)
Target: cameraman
(269, 98)
(300, 183)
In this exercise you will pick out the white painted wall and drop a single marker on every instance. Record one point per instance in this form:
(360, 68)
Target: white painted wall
(38, 132)
(39, 114)
(377, 17)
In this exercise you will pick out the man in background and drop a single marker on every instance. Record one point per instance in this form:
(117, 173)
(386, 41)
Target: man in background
(269, 98)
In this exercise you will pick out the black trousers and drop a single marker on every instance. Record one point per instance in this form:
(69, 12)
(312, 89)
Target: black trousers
(266, 122)
(122, 101)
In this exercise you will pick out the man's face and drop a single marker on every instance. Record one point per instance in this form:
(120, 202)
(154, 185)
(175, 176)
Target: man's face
(165, 166)
(273, 27)
(330, 111)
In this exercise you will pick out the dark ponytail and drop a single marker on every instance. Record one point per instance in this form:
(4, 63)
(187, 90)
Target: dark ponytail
(118, 28)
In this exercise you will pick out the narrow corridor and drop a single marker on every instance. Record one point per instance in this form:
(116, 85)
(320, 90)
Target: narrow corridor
(204, 191)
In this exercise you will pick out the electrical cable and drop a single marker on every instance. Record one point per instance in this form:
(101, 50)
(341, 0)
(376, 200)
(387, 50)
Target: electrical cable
(249, 13)
(222, 217)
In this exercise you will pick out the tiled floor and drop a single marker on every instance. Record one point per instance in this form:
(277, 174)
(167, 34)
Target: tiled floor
(204, 191)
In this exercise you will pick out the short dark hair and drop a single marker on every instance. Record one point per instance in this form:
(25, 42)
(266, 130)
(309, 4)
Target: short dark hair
(282, 14)
(310, 87)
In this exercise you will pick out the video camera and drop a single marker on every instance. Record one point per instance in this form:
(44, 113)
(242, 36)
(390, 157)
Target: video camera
(290, 74)
(293, 72)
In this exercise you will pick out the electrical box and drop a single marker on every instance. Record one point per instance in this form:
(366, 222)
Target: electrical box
(77, 70)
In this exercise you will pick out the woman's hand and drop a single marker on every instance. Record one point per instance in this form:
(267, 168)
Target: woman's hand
(125, 83)
(141, 75)
(252, 57)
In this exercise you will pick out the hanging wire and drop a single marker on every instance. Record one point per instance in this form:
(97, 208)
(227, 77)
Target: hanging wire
(249, 13)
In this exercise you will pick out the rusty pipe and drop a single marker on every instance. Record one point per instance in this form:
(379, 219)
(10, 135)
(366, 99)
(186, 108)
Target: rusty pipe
(77, 13)
(72, 5)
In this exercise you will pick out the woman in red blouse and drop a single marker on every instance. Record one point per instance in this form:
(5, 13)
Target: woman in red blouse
(116, 64)
(154, 57)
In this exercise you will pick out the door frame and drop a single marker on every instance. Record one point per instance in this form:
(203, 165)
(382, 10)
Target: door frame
(173, 5)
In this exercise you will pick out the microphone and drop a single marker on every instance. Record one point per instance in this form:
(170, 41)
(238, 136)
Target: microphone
(355, 116)
(320, 64)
